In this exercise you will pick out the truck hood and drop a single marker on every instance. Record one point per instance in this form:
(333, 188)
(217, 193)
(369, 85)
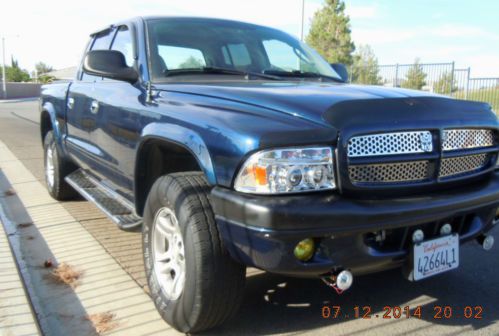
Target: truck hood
(344, 105)
(305, 99)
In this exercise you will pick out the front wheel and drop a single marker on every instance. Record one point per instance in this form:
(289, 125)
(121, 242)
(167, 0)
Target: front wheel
(56, 170)
(194, 282)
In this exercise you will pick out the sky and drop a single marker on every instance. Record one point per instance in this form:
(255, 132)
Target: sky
(463, 31)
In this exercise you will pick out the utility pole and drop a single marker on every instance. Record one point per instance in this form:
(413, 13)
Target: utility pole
(302, 19)
(4, 83)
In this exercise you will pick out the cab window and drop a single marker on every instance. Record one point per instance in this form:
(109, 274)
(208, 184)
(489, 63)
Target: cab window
(123, 43)
(101, 41)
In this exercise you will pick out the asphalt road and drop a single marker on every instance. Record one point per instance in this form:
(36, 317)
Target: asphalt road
(278, 305)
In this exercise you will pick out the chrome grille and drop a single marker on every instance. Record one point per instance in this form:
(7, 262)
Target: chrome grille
(467, 138)
(366, 164)
(463, 164)
(390, 144)
(389, 172)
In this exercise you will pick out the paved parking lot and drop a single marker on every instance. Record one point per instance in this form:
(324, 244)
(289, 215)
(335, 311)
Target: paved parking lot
(278, 305)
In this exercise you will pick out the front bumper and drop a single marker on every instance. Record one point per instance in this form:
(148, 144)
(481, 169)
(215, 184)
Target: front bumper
(262, 231)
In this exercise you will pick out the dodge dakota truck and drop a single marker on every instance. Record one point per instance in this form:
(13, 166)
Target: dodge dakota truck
(232, 145)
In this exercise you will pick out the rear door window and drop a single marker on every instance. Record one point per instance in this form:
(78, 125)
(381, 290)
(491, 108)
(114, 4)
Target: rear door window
(123, 43)
(239, 55)
(102, 41)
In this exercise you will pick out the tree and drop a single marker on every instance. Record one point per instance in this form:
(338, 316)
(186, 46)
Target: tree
(15, 74)
(191, 63)
(446, 84)
(42, 68)
(44, 79)
(330, 33)
(415, 78)
(365, 66)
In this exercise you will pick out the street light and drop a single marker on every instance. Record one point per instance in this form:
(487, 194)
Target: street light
(4, 76)
(4, 84)
(302, 19)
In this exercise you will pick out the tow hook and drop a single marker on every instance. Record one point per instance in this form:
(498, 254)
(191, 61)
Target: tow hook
(339, 281)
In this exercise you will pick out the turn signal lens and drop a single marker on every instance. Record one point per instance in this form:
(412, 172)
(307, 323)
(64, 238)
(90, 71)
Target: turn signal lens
(305, 249)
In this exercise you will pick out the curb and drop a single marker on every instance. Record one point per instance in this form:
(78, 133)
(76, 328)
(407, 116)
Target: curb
(55, 235)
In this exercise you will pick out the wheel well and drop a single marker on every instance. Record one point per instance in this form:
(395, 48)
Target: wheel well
(45, 124)
(157, 158)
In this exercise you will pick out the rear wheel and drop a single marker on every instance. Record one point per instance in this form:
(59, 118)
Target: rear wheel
(56, 169)
(194, 282)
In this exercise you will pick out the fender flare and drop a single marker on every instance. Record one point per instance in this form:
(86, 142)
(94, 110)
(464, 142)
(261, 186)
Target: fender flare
(49, 108)
(183, 137)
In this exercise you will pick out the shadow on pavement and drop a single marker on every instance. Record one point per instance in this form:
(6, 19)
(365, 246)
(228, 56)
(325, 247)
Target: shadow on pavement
(275, 304)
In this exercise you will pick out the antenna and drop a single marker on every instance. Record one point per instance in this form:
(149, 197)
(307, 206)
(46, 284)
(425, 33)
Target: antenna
(149, 97)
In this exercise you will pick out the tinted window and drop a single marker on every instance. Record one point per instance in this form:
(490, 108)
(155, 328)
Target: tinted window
(123, 43)
(102, 41)
(181, 58)
(239, 54)
(284, 57)
(177, 43)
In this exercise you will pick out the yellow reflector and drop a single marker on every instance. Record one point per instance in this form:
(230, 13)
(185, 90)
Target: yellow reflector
(305, 249)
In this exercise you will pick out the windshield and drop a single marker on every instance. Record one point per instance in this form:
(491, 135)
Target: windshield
(195, 43)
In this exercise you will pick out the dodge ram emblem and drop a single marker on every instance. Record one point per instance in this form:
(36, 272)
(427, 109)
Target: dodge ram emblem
(426, 142)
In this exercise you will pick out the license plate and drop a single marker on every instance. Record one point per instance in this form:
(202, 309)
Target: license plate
(436, 256)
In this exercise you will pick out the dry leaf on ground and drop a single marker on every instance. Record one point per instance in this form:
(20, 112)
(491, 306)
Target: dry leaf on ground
(67, 274)
(103, 322)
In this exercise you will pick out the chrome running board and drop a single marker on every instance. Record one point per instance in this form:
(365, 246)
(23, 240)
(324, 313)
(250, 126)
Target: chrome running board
(116, 207)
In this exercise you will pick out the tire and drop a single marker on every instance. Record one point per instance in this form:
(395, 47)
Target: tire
(54, 178)
(214, 282)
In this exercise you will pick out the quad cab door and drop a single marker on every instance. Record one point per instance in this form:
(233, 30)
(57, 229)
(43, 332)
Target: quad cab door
(103, 124)
(81, 109)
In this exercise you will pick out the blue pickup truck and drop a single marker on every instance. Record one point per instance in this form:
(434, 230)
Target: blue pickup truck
(232, 145)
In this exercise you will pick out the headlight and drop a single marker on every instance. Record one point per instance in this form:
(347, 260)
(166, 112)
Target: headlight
(287, 170)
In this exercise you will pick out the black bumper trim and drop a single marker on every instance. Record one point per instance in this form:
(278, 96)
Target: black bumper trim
(330, 212)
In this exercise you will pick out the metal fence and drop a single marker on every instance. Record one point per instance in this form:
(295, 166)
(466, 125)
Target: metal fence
(443, 78)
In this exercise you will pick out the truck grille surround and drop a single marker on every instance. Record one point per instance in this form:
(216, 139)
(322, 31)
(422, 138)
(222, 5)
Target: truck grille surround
(420, 156)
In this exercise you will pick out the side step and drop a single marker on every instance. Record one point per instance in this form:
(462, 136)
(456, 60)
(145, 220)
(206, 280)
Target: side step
(117, 208)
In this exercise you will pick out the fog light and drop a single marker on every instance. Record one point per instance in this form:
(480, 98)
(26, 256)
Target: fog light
(305, 249)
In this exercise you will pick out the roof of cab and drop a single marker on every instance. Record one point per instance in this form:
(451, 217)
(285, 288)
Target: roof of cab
(141, 19)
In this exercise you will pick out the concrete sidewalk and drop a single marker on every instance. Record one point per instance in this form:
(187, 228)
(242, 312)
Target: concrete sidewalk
(16, 317)
(104, 288)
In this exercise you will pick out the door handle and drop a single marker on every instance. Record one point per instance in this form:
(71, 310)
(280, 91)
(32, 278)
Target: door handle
(94, 107)
(71, 103)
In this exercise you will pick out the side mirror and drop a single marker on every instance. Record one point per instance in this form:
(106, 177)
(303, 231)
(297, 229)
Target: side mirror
(341, 70)
(109, 64)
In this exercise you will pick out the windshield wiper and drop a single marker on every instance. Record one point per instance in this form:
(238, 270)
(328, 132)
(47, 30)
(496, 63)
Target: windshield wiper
(300, 74)
(216, 70)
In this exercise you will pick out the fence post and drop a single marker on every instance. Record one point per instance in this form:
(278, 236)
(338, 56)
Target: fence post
(452, 76)
(396, 84)
(467, 83)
